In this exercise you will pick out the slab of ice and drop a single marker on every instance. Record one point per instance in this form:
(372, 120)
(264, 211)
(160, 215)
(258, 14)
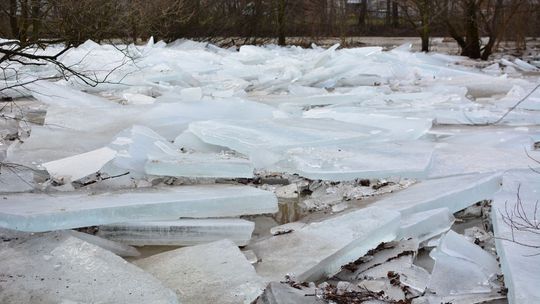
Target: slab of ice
(142, 150)
(78, 166)
(462, 267)
(44, 212)
(201, 165)
(427, 224)
(520, 264)
(455, 193)
(403, 128)
(249, 137)
(59, 268)
(217, 272)
(280, 293)
(352, 161)
(67, 97)
(114, 247)
(189, 141)
(15, 178)
(320, 249)
(185, 232)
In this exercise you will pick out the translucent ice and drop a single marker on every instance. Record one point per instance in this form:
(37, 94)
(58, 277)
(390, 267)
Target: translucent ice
(351, 161)
(461, 267)
(114, 247)
(320, 249)
(44, 212)
(142, 150)
(59, 268)
(185, 232)
(281, 293)
(217, 272)
(520, 263)
(78, 166)
(455, 193)
(427, 224)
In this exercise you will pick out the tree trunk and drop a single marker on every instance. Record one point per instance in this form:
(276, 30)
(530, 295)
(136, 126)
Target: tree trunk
(395, 14)
(281, 10)
(388, 13)
(472, 37)
(13, 22)
(36, 19)
(426, 27)
(362, 14)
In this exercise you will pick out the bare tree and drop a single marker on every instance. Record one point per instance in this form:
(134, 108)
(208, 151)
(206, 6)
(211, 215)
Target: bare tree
(421, 15)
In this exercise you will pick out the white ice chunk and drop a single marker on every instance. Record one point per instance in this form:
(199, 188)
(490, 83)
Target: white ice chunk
(59, 268)
(253, 137)
(402, 128)
(426, 225)
(217, 272)
(114, 247)
(352, 161)
(188, 141)
(201, 165)
(142, 150)
(455, 193)
(184, 232)
(79, 166)
(520, 264)
(44, 212)
(281, 293)
(138, 99)
(320, 249)
(461, 267)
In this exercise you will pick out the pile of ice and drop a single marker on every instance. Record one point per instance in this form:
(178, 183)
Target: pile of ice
(291, 153)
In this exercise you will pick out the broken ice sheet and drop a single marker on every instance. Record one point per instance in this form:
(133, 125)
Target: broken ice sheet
(319, 249)
(520, 264)
(351, 161)
(253, 137)
(37, 212)
(426, 225)
(216, 272)
(396, 257)
(462, 267)
(184, 232)
(281, 293)
(142, 150)
(402, 128)
(76, 167)
(114, 247)
(201, 165)
(455, 193)
(16, 178)
(59, 268)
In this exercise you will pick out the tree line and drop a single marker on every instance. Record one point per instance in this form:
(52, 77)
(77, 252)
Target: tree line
(259, 21)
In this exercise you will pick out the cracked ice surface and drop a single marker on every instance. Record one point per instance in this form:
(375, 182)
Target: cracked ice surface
(139, 149)
(60, 268)
(45, 212)
(455, 193)
(352, 161)
(217, 272)
(319, 249)
(520, 264)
